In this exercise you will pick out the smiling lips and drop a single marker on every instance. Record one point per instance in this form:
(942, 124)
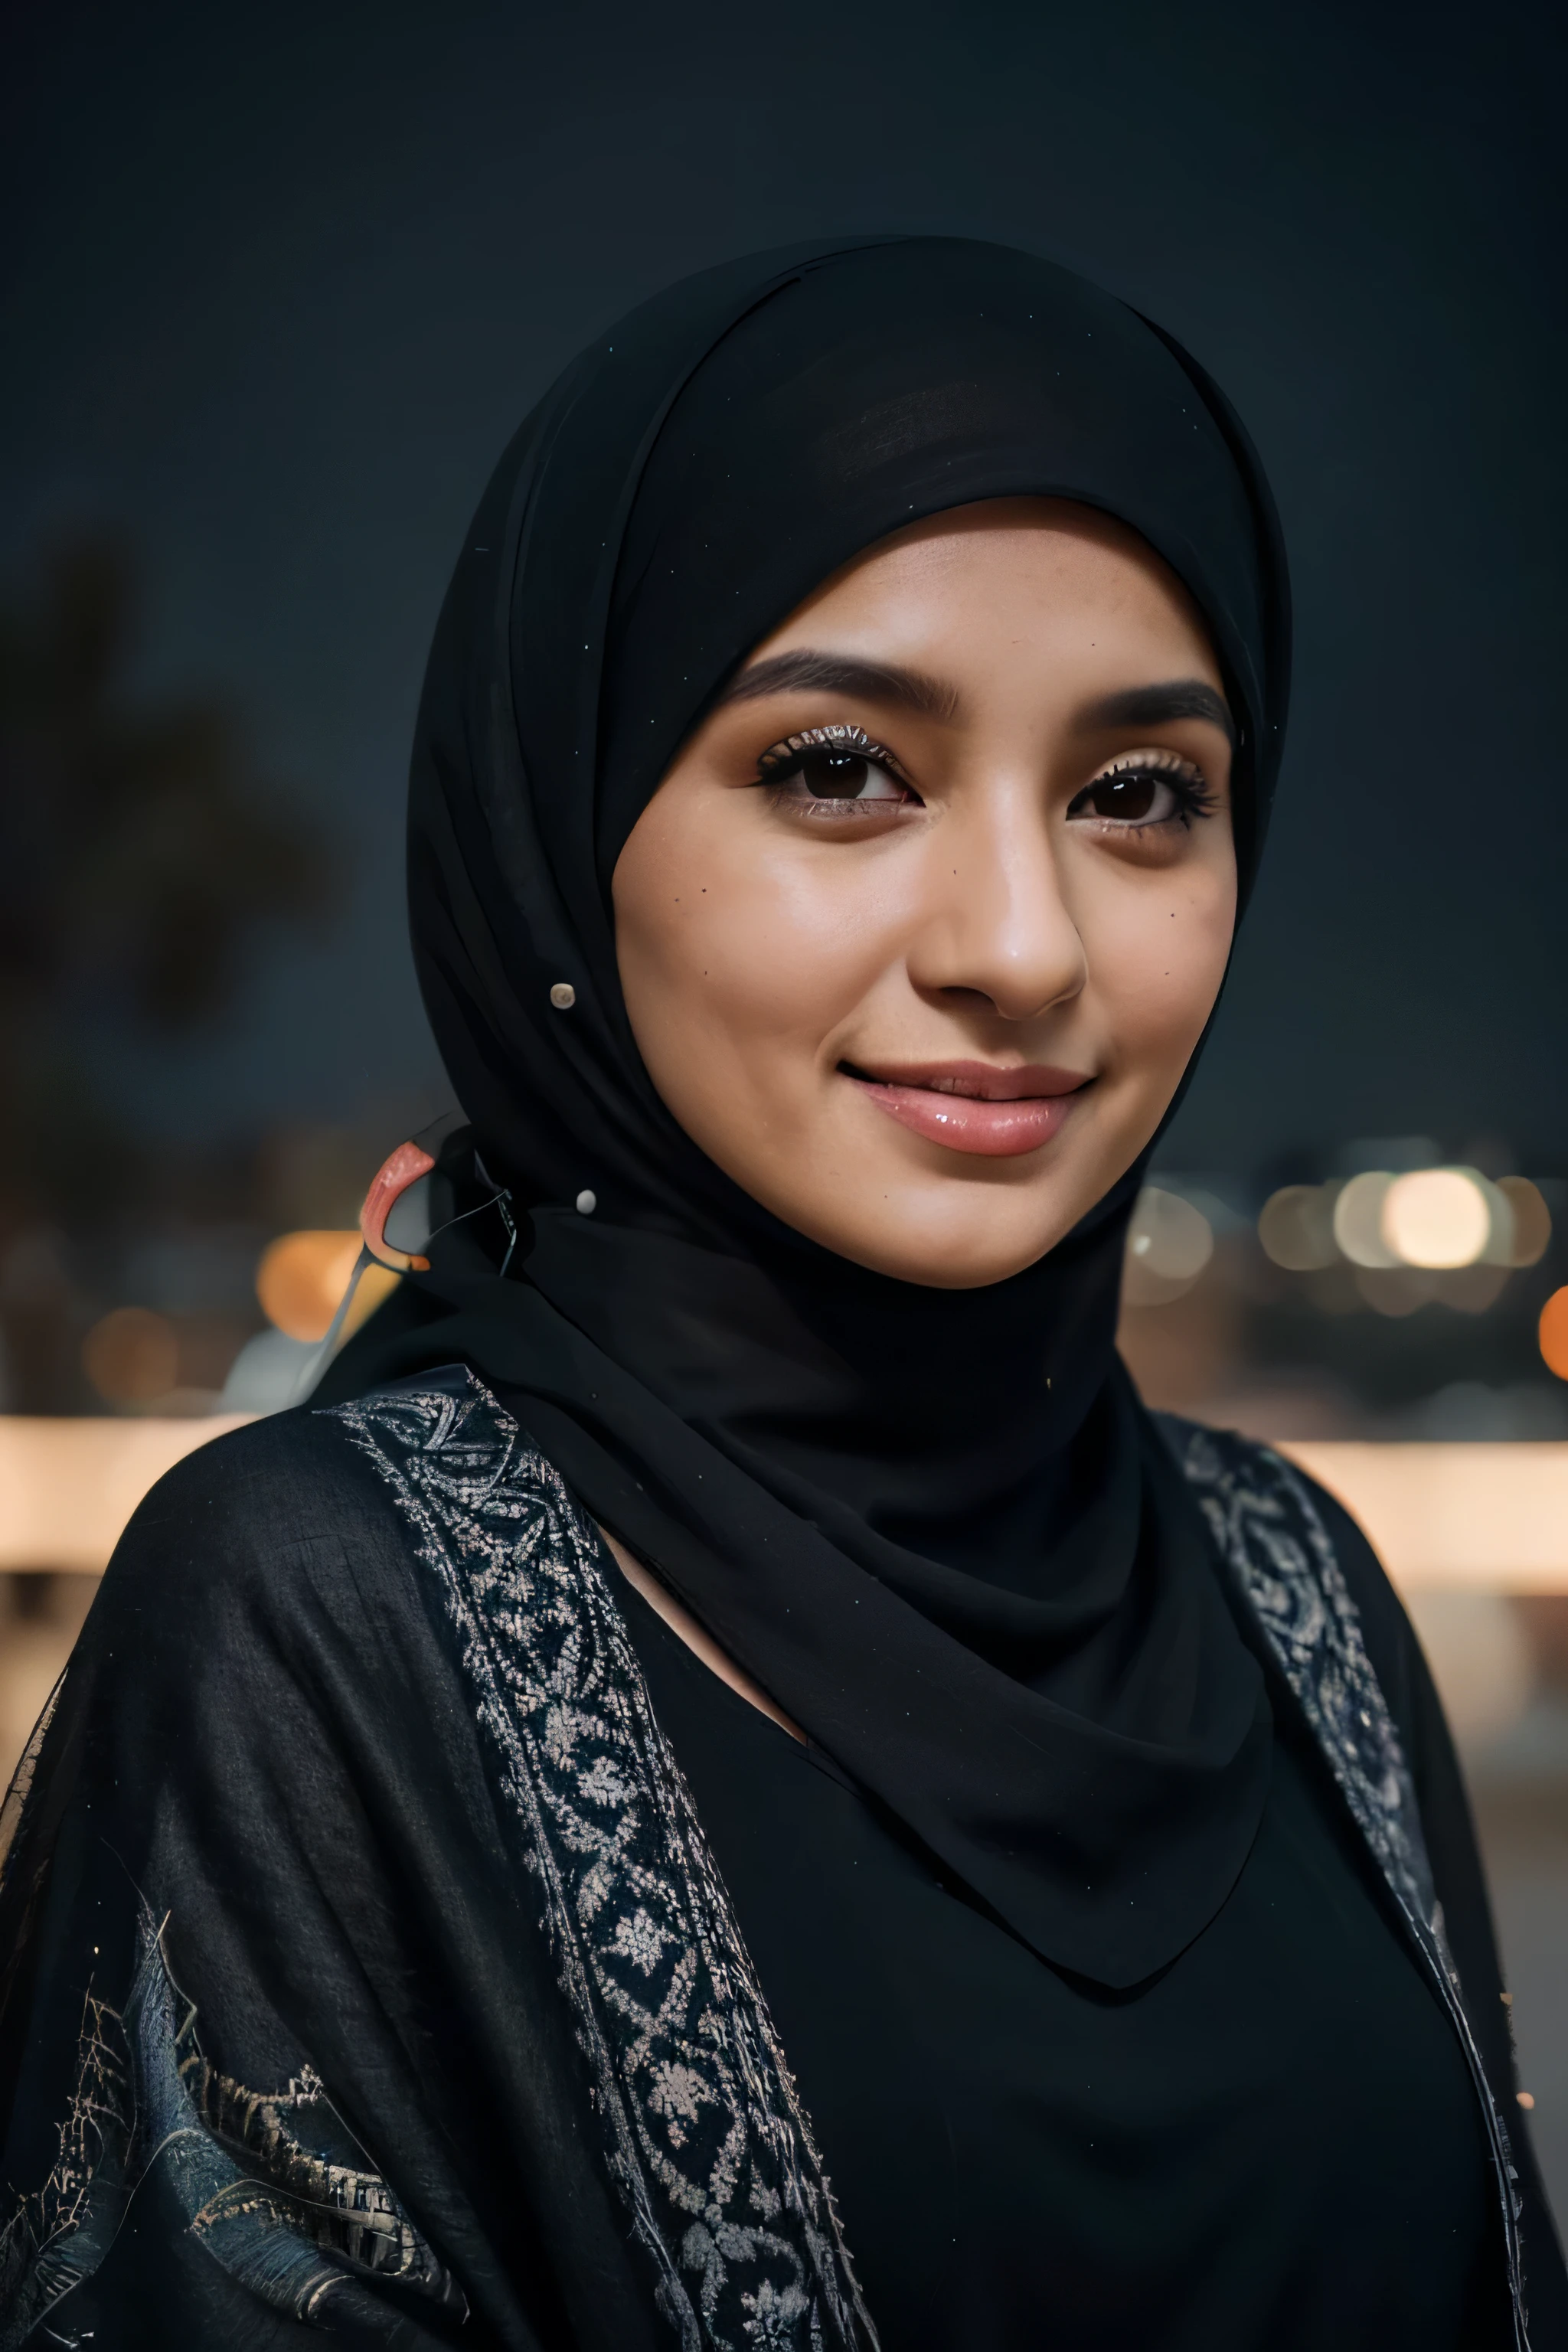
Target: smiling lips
(972, 1107)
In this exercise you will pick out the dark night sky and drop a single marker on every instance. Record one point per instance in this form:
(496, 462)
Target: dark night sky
(280, 282)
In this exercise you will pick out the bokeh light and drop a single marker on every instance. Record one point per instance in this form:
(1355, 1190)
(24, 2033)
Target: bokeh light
(1394, 1290)
(1295, 1227)
(131, 1356)
(1358, 1219)
(1169, 1243)
(1532, 1221)
(1555, 1334)
(301, 1279)
(1453, 1221)
(1438, 1217)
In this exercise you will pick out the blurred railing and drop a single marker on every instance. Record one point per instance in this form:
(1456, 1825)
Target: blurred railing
(1464, 1517)
(67, 1488)
(1471, 1517)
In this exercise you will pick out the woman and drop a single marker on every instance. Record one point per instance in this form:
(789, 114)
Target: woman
(727, 1687)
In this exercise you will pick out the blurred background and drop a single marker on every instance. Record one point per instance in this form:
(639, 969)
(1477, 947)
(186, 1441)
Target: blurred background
(281, 283)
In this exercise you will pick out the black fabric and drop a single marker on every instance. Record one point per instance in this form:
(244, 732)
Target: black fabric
(265, 1738)
(936, 1525)
(1275, 2141)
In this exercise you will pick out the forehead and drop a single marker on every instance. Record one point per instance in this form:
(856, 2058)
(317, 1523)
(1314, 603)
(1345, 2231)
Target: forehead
(981, 579)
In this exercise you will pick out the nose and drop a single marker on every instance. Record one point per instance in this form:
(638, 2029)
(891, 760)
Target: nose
(994, 922)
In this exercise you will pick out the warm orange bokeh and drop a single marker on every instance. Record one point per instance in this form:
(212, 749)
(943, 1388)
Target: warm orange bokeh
(1554, 1333)
(301, 1279)
(131, 1356)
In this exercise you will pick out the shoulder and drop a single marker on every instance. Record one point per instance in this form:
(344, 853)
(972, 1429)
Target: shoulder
(255, 1497)
(316, 1510)
(321, 1470)
(1249, 1492)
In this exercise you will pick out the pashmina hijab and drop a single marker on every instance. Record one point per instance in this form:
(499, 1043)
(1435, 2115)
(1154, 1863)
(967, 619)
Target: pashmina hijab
(938, 1527)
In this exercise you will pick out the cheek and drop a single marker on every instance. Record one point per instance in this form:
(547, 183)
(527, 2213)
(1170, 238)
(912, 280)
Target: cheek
(761, 943)
(1157, 957)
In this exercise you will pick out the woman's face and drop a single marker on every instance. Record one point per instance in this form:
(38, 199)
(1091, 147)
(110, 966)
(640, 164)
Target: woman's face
(919, 931)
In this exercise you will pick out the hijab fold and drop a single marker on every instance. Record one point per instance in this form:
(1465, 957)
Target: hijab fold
(936, 1526)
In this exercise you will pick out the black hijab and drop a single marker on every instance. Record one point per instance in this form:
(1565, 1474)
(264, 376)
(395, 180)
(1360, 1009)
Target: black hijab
(938, 1527)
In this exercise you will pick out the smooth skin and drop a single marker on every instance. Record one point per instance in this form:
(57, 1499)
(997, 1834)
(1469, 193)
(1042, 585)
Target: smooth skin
(925, 982)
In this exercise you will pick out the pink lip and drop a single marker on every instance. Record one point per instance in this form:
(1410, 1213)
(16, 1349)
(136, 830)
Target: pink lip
(975, 1106)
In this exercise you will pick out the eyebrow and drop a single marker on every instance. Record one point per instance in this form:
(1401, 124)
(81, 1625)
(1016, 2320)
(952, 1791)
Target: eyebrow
(1152, 706)
(810, 671)
(908, 689)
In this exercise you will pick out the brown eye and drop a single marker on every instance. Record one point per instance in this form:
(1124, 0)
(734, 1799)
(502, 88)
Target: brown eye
(1130, 796)
(834, 775)
(1141, 795)
(824, 771)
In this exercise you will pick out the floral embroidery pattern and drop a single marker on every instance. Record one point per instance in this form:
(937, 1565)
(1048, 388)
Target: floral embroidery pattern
(704, 2134)
(56, 2236)
(1276, 1548)
(1270, 1535)
(237, 2167)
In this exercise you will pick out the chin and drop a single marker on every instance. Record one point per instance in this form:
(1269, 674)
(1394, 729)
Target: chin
(940, 1251)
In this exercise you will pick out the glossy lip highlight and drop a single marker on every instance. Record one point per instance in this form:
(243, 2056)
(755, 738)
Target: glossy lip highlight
(975, 1106)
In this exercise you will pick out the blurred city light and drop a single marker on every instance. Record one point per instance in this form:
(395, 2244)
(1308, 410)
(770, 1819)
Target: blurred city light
(1295, 1227)
(1358, 1219)
(1439, 1217)
(1531, 1220)
(301, 1279)
(1169, 1243)
(131, 1356)
(1395, 1228)
(1394, 1289)
(1554, 1333)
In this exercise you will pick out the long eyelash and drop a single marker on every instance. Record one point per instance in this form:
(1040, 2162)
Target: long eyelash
(1195, 796)
(777, 764)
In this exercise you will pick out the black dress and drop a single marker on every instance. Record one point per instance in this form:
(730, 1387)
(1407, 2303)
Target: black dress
(1275, 2142)
(355, 1909)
